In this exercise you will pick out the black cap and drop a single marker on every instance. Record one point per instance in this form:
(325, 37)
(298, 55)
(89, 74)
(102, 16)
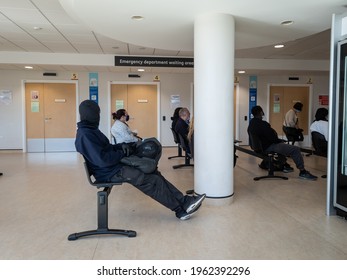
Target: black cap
(298, 106)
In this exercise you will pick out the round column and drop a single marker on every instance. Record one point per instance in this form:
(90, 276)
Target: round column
(213, 106)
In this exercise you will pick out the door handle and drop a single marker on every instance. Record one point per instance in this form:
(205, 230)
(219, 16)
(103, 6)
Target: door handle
(48, 119)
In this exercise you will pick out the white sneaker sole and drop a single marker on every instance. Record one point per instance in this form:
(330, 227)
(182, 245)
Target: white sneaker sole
(193, 206)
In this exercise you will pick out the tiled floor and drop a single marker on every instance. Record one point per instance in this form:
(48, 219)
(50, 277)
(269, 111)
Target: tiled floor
(45, 197)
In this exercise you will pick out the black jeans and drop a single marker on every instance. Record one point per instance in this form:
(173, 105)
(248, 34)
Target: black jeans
(153, 185)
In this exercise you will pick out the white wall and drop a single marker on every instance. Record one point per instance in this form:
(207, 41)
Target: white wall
(11, 116)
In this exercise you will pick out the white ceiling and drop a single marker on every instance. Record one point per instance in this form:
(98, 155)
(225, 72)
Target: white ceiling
(86, 27)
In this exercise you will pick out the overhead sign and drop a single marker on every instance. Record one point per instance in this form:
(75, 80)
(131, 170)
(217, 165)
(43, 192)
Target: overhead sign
(143, 61)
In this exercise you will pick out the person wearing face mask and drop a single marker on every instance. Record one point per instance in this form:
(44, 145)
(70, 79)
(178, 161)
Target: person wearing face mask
(291, 123)
(104, 162)
(271, 143)
(120, 129)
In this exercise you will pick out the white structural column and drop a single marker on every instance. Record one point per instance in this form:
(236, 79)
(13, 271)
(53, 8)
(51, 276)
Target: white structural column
(213, 106)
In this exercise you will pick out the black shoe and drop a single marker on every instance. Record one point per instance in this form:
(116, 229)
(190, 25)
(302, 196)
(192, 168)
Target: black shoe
(194, 202)
(287, 168)
(307, 175)
(183, 215)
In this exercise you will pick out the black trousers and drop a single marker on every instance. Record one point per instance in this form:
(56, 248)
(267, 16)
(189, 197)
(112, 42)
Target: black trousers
(153, 185)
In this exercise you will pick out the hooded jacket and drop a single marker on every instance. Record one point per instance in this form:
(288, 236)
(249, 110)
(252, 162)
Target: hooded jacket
(103, 158)
(267, 135)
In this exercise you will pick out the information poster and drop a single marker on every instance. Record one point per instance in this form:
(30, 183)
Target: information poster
(94, 87)
(252, 94)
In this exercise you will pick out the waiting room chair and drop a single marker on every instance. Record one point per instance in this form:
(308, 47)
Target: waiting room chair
(290, 138)
(320, 145)
(102, 211)
(187, 156)
(256, 146)
(177, 141)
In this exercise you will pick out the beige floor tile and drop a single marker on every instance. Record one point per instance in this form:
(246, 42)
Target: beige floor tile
(45, 197)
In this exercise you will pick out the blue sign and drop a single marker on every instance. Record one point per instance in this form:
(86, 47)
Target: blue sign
(252, 94)
(94, 87)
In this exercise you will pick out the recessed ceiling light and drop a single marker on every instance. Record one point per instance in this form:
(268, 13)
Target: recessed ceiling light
(279, 46)
(241, 72)
(141, 70)
(37, 28)
(28, 67)
(287, 22)
(137, 17)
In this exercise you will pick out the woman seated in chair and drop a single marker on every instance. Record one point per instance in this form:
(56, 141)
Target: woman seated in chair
(320, 125)
(120, 129)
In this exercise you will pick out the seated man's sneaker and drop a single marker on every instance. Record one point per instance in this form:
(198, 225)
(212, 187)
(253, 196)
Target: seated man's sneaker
(194, 203)
(183, 215)
(307, 175)
(287, 168)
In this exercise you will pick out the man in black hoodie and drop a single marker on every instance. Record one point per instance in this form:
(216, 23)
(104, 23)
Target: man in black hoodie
(270, 142)
(103, 160)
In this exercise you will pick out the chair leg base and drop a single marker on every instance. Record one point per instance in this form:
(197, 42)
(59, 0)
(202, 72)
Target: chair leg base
(190, 192)
(181, 165)
(175, 157)
(270, 177)
(75, 236)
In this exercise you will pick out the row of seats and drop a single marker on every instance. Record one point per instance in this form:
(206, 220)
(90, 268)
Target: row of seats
(320, 146)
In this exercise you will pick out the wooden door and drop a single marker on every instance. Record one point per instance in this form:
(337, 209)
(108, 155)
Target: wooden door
(282, 99)
(140, 101)
(50, 117)
(59, 116)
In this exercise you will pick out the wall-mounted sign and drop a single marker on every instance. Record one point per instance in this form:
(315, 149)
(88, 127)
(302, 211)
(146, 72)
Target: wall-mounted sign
(59, 100)
(93, 87)
(35, 95)
(175, 101)
(143, 61)
(6, 96)
(252, 94)
(324, 100)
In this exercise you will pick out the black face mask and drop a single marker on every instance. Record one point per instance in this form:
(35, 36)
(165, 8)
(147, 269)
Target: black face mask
(90, 112)
(127, 118)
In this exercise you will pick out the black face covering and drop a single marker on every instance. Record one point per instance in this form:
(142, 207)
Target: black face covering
(90, 112)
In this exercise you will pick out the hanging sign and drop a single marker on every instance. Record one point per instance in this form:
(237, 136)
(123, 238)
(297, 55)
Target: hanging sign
(143, 61)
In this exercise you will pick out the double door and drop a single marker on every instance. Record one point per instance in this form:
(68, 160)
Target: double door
(50, 117)
(140, 101)
(282, 99)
